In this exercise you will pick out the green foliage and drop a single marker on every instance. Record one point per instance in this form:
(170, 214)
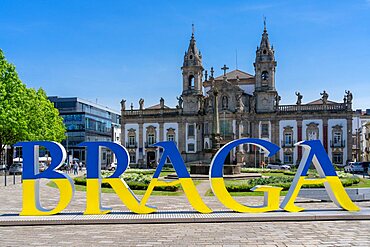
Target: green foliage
(279, 181)
(260, 170)
(136, 181)
(25, 114)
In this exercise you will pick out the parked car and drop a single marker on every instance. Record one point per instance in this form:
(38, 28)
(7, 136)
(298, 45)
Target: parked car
(2, 167)
(278, 166)
(16, 168)
(42, 167)
(356, 167)
(112, 166)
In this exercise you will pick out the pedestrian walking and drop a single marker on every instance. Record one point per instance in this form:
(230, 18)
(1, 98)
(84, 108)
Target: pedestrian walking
(75, 168)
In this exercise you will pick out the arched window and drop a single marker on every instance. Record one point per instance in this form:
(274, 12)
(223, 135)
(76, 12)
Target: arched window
(265, 75)
(191, 82)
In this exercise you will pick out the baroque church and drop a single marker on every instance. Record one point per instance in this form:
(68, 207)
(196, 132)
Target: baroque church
(214, 110)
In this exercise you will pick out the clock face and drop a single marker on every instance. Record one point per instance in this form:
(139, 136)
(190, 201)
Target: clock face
(265, 75)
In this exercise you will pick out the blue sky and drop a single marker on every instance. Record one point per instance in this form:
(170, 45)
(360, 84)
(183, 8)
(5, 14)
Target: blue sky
(109, 50)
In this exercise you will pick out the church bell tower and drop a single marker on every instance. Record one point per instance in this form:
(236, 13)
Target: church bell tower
(192, 73)
(264, 67)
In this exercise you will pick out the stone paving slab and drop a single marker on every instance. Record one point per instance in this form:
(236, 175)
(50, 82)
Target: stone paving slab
(164, 217)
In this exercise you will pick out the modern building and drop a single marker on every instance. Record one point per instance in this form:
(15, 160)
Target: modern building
(361, 136)
(87, 121)
(213, 110)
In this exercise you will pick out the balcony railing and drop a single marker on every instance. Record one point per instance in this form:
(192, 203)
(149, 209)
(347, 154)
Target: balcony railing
(305, 108)
(340, 144)
(131, 144)
(151, 112)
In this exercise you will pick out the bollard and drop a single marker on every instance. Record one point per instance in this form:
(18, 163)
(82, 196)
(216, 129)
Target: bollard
(5, 177)
(14, 178)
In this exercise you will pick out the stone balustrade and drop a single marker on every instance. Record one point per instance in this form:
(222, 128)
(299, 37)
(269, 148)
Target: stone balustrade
(311, 108)
(151, 112)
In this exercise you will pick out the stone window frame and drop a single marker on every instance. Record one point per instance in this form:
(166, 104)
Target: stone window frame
(131, 133)
(337, 129)
(264, 135)
(288, 154)
(193, 150)
(151, 133)
(313, 128)
(188, 130)
(132, 154)
(171, 132)
(288, 130)
(337, 154)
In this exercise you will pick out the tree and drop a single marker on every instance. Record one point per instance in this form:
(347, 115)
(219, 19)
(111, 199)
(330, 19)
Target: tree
(25, 114)
(44, 122)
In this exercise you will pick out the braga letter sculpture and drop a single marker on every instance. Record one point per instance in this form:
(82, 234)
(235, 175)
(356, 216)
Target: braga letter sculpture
(314, 153)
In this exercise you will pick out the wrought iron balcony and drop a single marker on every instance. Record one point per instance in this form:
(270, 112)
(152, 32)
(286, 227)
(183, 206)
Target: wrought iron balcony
(340, 144)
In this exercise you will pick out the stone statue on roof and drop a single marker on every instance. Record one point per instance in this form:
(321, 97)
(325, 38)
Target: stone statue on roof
(299, 98)
(349, 96)
(141, 103)
(324, 97)
(180, 100)
(277, 100)
(123, 104)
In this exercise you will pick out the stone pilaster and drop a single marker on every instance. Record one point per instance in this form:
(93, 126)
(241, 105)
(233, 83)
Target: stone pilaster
(299, 138)
(141, 144)
(161, 132)
(325, 133)
(182, 136)
(349, 140)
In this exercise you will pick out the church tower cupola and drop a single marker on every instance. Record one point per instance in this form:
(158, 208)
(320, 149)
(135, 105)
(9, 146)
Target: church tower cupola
(265, 64)
(264, 67)
(192, 69)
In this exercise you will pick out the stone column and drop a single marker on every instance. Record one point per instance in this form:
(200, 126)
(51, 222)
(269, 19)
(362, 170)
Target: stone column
(240, 157)
(123, 134)
(275, 128)
(141, 145)
(349, 138)
(215, 122)
(325, 133)
(216, 118)
(161, 134)
(299, 137)
(181, 136)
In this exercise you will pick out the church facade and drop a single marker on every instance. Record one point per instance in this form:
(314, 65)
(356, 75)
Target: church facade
(213, 110)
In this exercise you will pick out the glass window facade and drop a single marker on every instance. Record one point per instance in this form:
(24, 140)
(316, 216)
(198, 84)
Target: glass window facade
(85, 121)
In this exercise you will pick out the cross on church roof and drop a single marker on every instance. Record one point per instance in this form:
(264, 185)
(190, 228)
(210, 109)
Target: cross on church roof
(224, 69)
(212, 71)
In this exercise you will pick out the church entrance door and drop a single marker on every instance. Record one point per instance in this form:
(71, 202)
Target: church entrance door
(150, 159)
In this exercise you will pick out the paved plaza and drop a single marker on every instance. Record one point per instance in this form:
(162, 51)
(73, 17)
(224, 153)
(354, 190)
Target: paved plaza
(309, 233)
